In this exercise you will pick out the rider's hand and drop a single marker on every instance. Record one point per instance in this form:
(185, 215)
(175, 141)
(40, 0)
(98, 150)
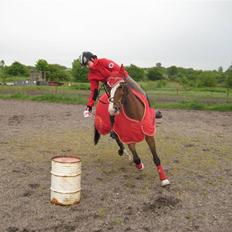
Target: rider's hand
(87, 112)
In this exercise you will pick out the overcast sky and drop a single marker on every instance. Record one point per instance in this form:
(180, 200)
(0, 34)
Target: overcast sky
(187, 33)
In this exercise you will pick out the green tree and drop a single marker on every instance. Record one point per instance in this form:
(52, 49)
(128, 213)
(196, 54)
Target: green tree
(220, 69)
(56, 72)
(79, 73)
(2, 63)
(158, 65)
(135, 72)
(17, 69)
(172, 72)
(154, 74)
(184, 82)
(207, 79)
(42, 66)
(228, 82)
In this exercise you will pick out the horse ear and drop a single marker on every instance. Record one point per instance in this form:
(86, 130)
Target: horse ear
(122, 71)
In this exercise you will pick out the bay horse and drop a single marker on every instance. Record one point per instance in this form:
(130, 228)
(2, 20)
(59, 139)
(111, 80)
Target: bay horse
(131, 120)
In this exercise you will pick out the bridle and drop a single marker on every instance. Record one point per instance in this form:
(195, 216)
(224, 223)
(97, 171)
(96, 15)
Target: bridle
(107, 88)
(123, 99)
(116, 106)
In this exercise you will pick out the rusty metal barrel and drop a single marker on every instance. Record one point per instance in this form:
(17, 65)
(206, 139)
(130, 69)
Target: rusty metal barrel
(65, 180)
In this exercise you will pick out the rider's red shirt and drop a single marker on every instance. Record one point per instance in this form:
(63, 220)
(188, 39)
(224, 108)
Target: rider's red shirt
(102, 69)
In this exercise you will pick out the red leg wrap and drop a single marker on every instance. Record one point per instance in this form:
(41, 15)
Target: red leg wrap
(139, 166)
(161, 172)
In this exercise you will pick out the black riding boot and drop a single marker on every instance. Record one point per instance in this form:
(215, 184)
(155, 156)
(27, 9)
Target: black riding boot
(158, 114)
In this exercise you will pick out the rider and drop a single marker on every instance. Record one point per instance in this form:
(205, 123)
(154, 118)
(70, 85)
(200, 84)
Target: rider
(99, 71)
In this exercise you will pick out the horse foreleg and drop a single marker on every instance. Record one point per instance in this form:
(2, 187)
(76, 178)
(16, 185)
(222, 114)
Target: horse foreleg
(120, 144)
(122, 150)
(151, 143)
(139, 165)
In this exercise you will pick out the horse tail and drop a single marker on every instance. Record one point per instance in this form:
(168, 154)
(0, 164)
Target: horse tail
(96, 136)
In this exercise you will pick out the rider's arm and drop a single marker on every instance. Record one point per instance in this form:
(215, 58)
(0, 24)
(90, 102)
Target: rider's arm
(93, 93)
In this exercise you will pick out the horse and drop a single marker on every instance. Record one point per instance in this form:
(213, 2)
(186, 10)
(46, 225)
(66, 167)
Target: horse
(130, 119)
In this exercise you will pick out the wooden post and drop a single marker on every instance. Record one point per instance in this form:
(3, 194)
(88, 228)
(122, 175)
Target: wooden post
(227, 95)
(56, 88)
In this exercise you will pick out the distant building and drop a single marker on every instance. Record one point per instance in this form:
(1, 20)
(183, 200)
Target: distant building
(24, 83)
(38, 77)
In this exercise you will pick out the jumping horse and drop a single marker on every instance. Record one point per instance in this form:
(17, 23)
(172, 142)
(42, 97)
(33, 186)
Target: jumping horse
(130, 119)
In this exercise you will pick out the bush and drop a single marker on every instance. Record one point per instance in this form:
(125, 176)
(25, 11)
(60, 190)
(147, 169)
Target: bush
(228, 81)
(17, 69)
(135, 72)
(161, 84)
(154, 74)
(57, 72)
(172, 72)
(79, 73)
(207, 79)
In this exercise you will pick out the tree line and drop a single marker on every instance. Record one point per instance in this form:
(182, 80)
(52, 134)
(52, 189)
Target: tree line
(77, 73)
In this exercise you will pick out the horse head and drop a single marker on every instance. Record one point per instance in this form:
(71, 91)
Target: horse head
(118, 94)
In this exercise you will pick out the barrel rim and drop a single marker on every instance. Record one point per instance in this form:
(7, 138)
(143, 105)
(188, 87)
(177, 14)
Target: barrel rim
(64, 156)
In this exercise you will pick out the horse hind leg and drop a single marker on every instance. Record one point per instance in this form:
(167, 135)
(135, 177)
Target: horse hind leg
(139, 165)
(163, 178)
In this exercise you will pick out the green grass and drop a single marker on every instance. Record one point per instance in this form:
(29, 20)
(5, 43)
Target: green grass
(13, 78)
(191, 105)
(54, 98)
(165, 98)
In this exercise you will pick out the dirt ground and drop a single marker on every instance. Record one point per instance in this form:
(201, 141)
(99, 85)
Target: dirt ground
(194, 147)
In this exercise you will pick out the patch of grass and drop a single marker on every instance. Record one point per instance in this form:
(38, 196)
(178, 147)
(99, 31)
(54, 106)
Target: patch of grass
(164, 97)
(54, 98)
(191, 105)
(80, 86)
(117, 221)
(102, 212)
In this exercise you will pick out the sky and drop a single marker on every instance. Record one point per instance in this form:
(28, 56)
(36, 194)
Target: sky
(186, 33)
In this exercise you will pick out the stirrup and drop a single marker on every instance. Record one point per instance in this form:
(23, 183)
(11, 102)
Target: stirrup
(113, 135)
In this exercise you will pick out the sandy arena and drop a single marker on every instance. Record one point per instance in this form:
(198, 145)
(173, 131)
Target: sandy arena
(195, 148)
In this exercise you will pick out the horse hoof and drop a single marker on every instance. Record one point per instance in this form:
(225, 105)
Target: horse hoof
(120, 152)
(140, 166)
(165, 182)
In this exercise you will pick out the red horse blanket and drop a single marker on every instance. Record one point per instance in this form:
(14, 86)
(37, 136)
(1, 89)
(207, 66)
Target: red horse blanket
(127, 129)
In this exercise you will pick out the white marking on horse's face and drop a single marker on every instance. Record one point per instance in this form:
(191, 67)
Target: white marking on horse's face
(111, 108)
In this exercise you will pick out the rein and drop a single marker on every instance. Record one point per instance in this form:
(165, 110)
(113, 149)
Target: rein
(106, 91)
